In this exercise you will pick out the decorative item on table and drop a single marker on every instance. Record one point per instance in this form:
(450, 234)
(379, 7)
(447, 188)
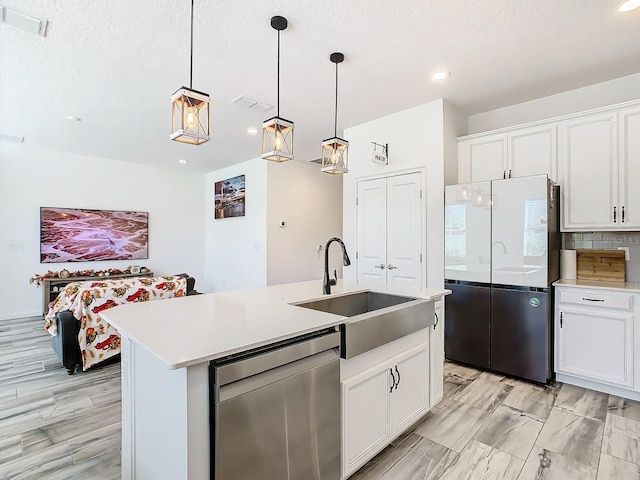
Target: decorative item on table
(64, 273)
(135, 269)
(229, 198)
(144, 269)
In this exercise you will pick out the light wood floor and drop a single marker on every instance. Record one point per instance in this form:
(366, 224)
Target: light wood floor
(53, 425)
(56, 426)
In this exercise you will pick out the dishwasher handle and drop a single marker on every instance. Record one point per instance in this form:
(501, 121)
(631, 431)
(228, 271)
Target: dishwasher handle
(245, 365)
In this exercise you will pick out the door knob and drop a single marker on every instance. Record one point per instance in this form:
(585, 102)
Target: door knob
(391, 267)
(379, 266)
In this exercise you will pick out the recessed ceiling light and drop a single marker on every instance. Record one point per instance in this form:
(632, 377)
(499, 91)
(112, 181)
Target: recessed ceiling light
(74, 119)
(182, 161)
(628, 6)
(252, 131)
(440, 75)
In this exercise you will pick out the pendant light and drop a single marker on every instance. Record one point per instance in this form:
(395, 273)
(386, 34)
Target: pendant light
(335, 151)
(277, 133)
(190, 109)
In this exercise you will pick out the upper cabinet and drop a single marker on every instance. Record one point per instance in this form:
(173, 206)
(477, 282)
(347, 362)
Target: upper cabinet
(594, 156)
(516, 153)
(600, 156)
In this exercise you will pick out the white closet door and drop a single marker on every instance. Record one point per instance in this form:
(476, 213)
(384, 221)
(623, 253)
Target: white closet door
(404, 230)
(371, 233)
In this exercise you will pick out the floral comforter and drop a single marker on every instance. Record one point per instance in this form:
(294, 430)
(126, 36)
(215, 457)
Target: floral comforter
(97, 339)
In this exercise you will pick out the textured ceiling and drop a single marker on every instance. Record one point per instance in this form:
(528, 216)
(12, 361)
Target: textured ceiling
(115, 64)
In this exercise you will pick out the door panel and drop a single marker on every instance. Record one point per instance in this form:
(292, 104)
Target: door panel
(532, 151)
(467, 324)
(409, 397)
(404, 230)
(371, 232)
(519, 231)
(467, 232)
(630, 168)
(520, 334)
(589, 153)
(488, 158)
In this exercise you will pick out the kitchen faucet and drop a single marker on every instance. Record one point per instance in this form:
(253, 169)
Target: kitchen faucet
(326, 286)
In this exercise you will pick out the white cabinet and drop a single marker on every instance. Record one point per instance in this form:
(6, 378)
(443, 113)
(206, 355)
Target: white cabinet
(389, 231)
(436, 352)
(517, 153)
(595, 342)
(600, 154)
(380, 403)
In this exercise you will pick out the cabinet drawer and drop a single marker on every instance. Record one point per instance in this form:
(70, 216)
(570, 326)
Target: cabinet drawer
(593, 298)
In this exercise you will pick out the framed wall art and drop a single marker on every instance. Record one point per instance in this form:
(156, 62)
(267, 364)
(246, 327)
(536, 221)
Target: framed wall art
(229, 198)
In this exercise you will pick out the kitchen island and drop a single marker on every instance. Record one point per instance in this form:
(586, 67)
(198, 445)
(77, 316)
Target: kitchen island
(166, 350)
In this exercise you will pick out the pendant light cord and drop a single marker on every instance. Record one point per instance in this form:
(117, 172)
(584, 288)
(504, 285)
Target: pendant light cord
(278, 96)
(191, 57)
(335, 117)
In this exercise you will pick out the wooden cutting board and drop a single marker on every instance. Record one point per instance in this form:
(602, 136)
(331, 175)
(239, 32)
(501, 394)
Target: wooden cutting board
(603, 265)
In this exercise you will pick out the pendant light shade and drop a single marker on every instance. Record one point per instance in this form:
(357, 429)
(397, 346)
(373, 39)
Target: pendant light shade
(335, 150)
(277, 133)
(190, 109)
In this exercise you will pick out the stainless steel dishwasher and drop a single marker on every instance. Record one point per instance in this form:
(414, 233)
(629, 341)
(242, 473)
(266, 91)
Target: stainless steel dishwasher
(275, 411)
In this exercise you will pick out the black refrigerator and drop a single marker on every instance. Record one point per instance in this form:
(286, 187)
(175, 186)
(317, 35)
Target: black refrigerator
(502, 253)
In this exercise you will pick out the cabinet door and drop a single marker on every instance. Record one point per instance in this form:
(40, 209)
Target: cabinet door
(436, 355)
(404, 230)
(533, 151)
(629, 198)
(365, 416)
(590, 173)
(410, 395)
(372, 232)
(483, 158)
(596, 345)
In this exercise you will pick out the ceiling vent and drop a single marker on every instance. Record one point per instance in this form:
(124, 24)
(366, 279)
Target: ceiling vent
(23, 21)
(251, 104)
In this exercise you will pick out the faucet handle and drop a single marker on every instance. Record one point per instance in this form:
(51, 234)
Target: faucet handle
(334, 280)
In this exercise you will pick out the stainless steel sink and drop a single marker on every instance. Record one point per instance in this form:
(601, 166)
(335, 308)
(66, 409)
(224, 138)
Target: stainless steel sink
(375, 318)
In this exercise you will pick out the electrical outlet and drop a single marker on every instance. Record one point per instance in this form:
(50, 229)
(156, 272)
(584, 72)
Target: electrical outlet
(626, 252)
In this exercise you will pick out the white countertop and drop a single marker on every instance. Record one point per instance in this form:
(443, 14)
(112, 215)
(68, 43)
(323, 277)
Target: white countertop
(630, 287)
(190, 330)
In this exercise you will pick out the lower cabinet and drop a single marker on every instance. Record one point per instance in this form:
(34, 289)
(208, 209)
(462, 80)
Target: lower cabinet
(595, 338)
(380, 403)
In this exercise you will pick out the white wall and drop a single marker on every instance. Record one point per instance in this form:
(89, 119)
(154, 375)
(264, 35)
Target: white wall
(455, 125)
(416, 141)
(31, 178)
(310, 204)
(602, 94)
(235, 248)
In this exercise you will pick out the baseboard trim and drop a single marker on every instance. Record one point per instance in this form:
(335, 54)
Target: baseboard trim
(13, 316)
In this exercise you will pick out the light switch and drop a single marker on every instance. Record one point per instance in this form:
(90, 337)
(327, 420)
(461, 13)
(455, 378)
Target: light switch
(16, 247)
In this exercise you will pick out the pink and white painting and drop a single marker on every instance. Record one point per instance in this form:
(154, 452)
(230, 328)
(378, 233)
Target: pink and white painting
(81, 235)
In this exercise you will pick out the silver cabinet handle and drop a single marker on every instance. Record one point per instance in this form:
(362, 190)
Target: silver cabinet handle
(391, 267)
(379, 266)
(593, 299)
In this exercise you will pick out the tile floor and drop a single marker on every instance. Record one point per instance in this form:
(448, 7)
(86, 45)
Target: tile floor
(492, 427)
(56, 426)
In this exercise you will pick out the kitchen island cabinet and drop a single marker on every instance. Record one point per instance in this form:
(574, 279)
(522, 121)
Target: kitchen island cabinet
(165, 365)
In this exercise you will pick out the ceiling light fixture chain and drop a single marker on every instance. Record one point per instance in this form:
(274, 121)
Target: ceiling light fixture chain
(191, 53)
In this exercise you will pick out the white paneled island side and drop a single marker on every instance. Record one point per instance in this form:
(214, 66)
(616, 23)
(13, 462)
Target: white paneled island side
(166, 350)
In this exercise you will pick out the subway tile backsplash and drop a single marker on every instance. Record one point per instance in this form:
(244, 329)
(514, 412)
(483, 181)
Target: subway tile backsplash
(608, 241)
